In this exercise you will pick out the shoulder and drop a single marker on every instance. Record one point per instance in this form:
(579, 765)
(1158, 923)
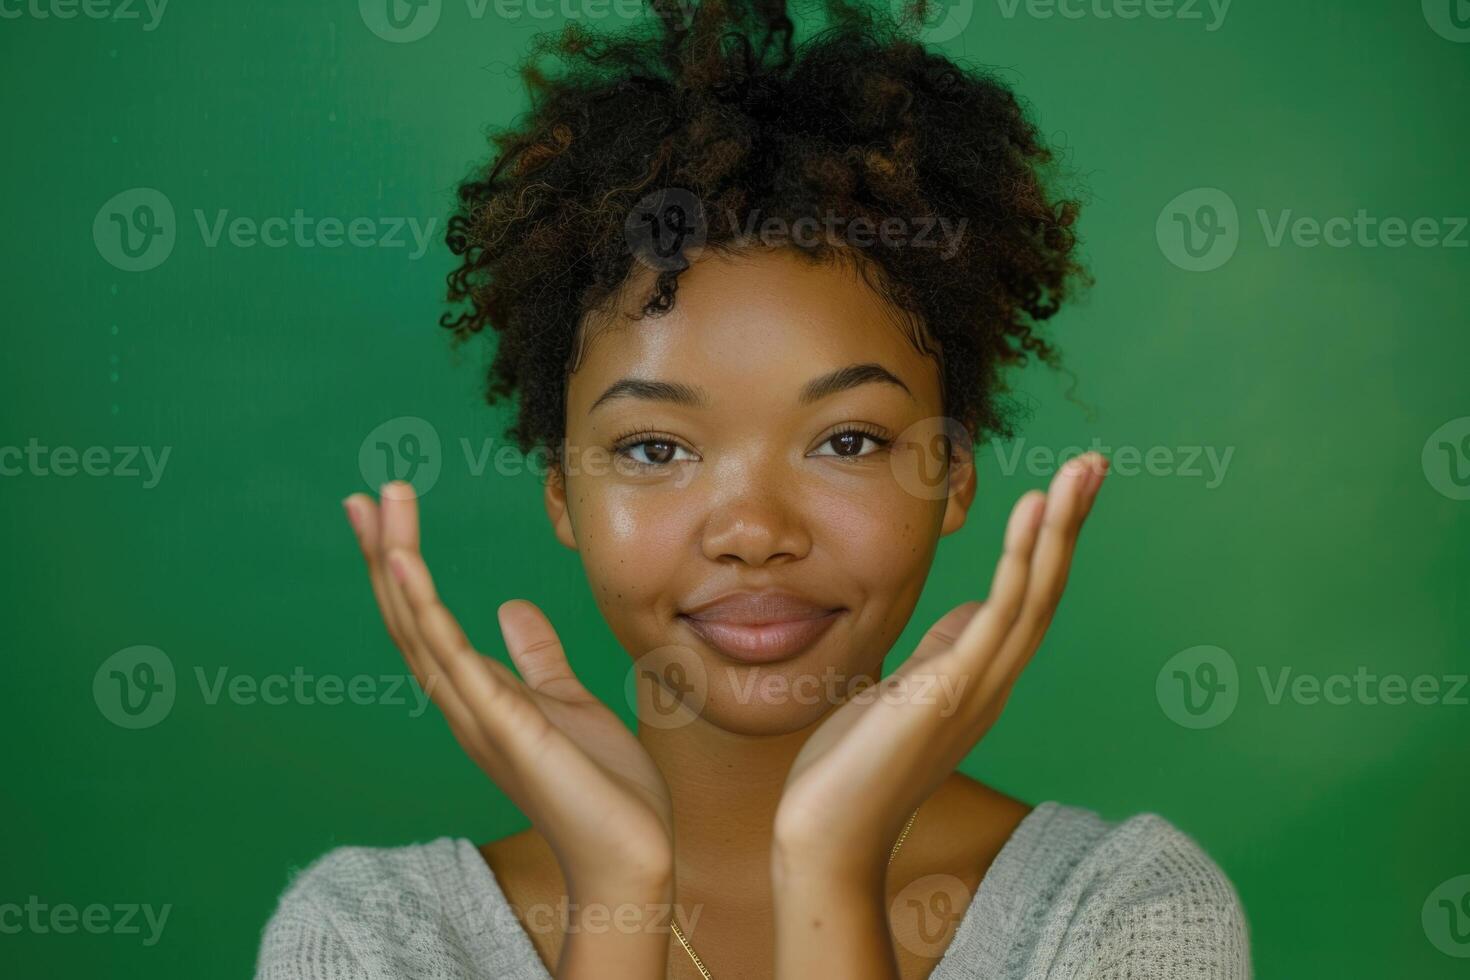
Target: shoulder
(419, 910)
(1118, 895)
(965, 823)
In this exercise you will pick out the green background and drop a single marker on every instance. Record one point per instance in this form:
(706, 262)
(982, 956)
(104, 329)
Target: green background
(1326, 547)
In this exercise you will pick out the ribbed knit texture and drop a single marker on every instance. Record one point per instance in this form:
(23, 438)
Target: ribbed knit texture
(1069, 897)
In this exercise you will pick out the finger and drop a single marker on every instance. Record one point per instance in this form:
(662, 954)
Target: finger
(400, 515)
(435, 624)
(1068, 504)
(446, 650)
(946, 632)
(465, 686)
(398, 527)
(489, 690)
(536, 650)
(986, 630)
(1066, 507)
(929, 662)
(364, 515)
(362, 512)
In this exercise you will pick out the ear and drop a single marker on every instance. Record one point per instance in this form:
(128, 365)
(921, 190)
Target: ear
(556, 507)
(961, 490)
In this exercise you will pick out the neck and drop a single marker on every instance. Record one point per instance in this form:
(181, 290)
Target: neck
(725, 787)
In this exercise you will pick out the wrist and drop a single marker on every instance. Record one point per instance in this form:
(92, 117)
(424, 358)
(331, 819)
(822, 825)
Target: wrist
(831, 920)
(616, 931)
(625, 890)
(647, 878)
(840, 866)
(850, 883)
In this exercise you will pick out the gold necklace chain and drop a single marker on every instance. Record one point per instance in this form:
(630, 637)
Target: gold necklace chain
(699, 964)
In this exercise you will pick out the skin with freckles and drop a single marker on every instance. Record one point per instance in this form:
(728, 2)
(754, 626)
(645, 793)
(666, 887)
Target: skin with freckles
(754, 438)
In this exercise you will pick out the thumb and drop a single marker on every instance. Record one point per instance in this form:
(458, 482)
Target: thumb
(943, 634)
(533, 645)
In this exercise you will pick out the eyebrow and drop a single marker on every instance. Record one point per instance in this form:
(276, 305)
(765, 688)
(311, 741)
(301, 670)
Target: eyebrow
(842, 379)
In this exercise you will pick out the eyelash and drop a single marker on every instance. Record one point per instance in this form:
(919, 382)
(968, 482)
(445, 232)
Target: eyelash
(642, 437)
(871, 432)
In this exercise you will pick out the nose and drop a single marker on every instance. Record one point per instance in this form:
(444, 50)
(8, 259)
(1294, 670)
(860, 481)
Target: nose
(755, 517)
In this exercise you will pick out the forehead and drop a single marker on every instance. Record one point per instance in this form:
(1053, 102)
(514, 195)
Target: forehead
(759, 322)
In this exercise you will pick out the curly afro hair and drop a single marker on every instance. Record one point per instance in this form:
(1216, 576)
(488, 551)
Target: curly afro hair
(716, 104)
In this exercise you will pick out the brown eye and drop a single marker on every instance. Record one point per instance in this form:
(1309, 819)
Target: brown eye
(660, 453)
(652, 452)
(850, 444)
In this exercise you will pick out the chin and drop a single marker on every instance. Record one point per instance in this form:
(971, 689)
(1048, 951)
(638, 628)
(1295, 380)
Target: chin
(779, 698)
(725, 712)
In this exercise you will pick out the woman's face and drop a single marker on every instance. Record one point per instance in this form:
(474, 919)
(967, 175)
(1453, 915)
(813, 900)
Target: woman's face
(716, 451)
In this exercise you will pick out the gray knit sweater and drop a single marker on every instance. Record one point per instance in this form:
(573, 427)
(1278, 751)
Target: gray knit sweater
(1069, 896)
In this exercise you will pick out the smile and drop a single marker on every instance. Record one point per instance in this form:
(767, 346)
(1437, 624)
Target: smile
(764, 642)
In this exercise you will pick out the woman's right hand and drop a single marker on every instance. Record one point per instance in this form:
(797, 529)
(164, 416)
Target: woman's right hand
(566, 760)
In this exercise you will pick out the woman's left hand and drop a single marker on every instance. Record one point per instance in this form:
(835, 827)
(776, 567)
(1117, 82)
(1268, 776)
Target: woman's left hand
(881, 753)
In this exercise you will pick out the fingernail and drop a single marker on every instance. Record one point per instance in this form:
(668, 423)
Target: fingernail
(351, 514)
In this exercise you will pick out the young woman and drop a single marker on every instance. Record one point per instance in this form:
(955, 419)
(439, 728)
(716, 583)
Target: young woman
(702, 255)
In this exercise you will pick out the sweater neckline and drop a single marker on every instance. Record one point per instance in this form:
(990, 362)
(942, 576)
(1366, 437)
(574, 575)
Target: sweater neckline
(992, 914)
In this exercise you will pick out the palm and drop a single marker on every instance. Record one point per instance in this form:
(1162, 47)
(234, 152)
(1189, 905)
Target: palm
(878, 756)
(567, 762)
(585, 726)
(857, 750)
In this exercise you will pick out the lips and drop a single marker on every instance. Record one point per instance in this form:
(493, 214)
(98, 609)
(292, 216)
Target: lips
(760, 627)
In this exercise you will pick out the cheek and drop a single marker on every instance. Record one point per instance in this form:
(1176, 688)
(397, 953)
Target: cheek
(630, 543)
(879, 533)
(882, 543)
